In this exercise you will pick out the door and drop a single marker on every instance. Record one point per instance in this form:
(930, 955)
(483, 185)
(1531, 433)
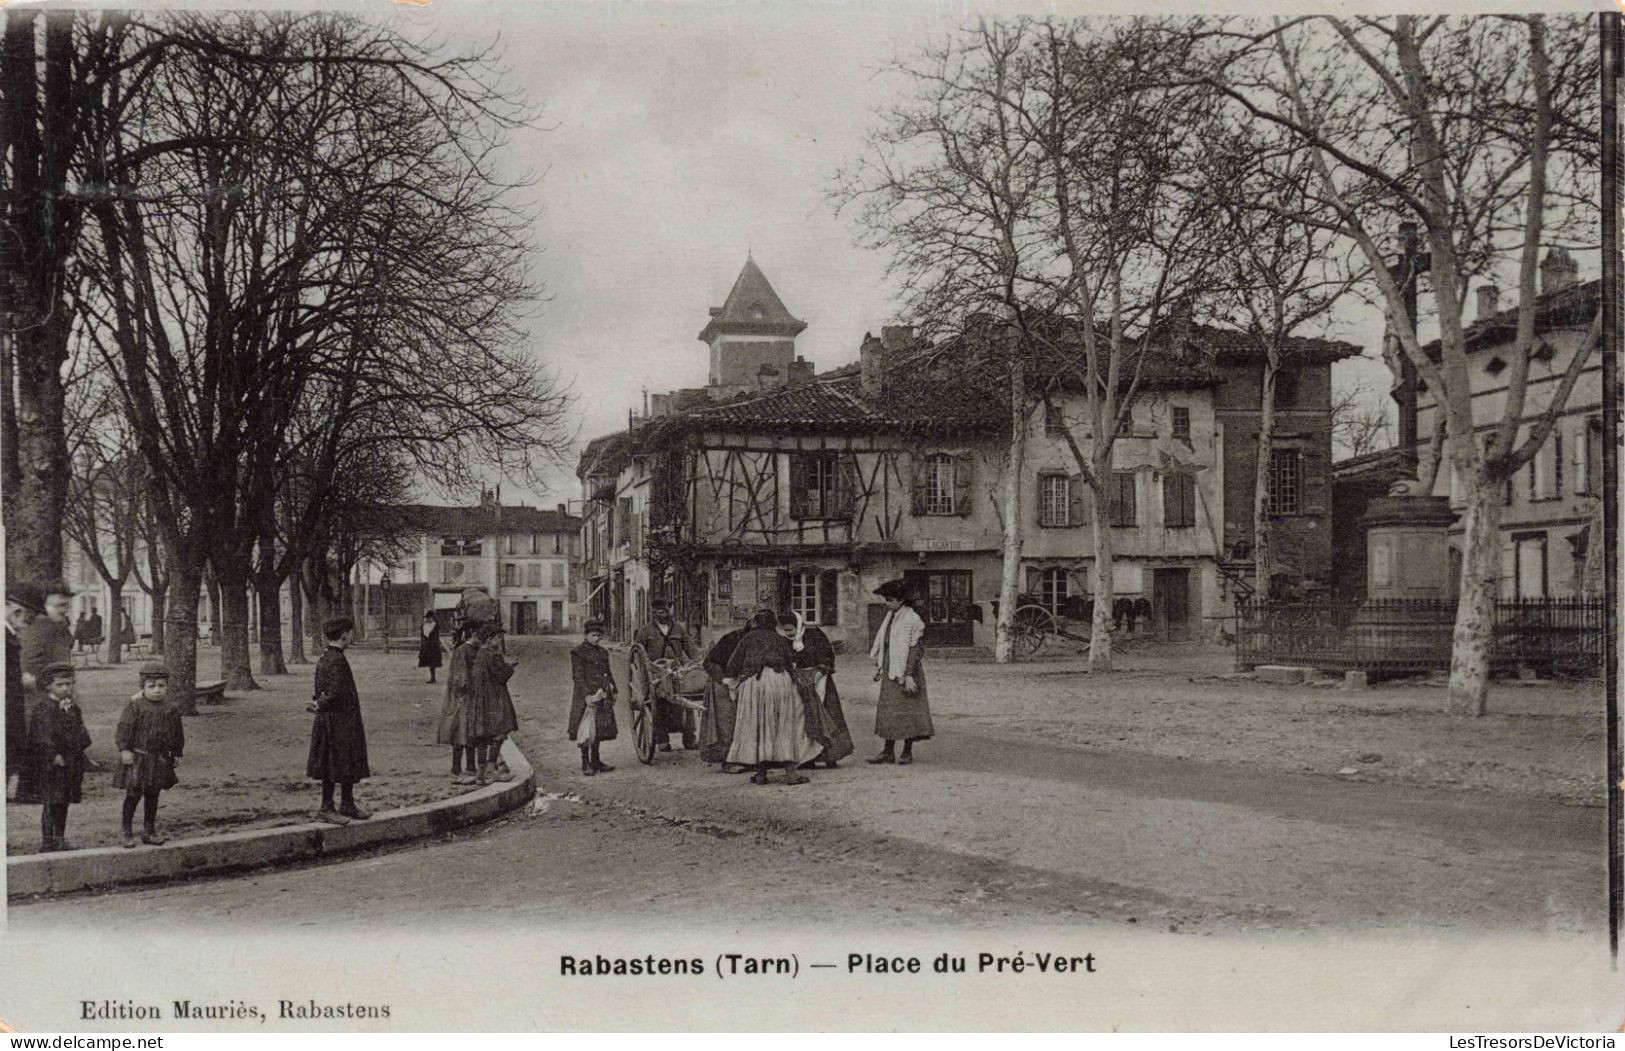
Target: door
(1171, 601)
(555, 616)
(942, 597)
(524, 618)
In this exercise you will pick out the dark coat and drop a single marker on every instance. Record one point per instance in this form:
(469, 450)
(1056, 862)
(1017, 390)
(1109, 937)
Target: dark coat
(429, 649)
(154, 733)
(338, 741)
(717, 726)
(44, 642)
(453, 728)
(673, 645)
(16, 705)
(716, 660)
(57, 732)
(817, 653)
(759, 650)
(490, 710)
(589, 672)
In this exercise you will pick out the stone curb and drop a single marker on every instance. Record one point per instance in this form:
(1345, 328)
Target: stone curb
(103, 867)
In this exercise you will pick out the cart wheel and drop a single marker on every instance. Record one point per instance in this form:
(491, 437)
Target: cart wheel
(1030, 627)
(640, 696)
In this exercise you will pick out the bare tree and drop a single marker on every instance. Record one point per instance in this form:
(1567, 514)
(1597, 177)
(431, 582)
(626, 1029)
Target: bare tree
(1482, 131)
(104, 498)
(1360, 420)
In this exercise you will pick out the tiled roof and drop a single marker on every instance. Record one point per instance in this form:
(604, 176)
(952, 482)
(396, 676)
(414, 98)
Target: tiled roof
(1231, 346)
(752, 307)
(1573, 307)
(438, 520)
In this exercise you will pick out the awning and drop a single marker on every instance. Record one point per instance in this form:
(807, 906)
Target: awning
(447, 599)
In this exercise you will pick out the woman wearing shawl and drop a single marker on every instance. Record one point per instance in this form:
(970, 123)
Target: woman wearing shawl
(812, 662)
(770, 726)
(903, 713)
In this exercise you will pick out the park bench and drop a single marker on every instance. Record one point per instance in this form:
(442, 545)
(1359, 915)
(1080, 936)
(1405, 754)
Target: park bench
(211, 692)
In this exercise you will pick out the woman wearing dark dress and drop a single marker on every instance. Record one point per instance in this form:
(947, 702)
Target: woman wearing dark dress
(812, 662)
(338, 739)
(491, 712)
(429, 645)
(717, 726)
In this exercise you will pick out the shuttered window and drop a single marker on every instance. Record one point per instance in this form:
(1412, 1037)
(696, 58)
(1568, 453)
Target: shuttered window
(1124, 511)
(1178, 501)
(1054, 500)
(820, 486)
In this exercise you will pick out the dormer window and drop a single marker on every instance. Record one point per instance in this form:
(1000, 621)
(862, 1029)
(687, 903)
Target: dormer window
(756, 312)
(1544, 352)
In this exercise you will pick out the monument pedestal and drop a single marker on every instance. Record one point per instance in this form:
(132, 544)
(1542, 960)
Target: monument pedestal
(1406, 622)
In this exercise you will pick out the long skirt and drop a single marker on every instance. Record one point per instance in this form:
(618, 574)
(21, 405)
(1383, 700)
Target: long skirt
(900, 716)
(770, 725)
(717, 727)
(818, 688)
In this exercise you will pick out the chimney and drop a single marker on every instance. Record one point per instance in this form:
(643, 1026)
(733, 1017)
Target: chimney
(768, 377)
(1179, 326)
(872, 367)
(562, 510)
(896, 338)
(1558, 271)
(801, 370)
(1489, 301)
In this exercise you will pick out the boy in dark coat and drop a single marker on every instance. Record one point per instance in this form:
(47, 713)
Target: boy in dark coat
(59, 739)
(150, 740)
(338, 741)
(592, 704)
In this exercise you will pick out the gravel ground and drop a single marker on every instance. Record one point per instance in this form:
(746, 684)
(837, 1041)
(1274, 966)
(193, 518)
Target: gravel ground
(244, 765)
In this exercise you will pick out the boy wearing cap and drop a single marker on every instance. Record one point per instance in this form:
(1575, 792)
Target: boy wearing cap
(592, 701)
(338, 741)
(150, 741)
(59, 739)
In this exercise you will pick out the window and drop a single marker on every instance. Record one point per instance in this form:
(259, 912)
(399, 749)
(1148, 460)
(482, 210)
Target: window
(1546, 469)
(535, 543)
(1054, 420)
(512, 543)
(813, 595)
(1182, 423)
(459, 545)
(510, 575)
(1286, 481)
(818, 486)
(533, 575)
(1124, 512)
(939, 484)
(558, 575)
(1529, 566)
(558, 543)
(1286, 388)
(1054, 500)
(1052, 589)
(1178, 501)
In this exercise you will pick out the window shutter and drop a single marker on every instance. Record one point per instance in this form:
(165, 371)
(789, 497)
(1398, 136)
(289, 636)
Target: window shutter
(844, 470)
(919, 467)
(1170, 501)
(829, 596)
(784, 590)
(1582, 468)
(962, 480)
(798, 486)
(1032, 581)
(1075, 490)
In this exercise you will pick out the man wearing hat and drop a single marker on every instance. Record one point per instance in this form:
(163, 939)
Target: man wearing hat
(338, 740)
(663, 639)
(23, 603)
(47, 639)
(898, 651)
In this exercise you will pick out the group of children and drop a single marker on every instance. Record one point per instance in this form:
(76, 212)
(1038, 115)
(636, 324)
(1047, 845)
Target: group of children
(478, 714)
(149, 738)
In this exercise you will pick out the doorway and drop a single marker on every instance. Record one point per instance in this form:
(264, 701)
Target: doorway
(942, 598)
(524, 618)
(1171, 602)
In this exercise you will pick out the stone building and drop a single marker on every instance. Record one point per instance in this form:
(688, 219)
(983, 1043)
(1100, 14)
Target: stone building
(809, 490)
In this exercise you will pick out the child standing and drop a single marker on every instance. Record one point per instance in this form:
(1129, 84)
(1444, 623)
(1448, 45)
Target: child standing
(494, 717)
(150, 741)
(592, 704)
(338, 741)
(59, 740)
(454, 713)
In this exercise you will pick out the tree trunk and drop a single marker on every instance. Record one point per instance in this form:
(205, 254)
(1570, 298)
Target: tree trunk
(1010, 570)
(270, 612)
(1475, 609)
(1100, 630)
(296, 619)
(160, 598)
(234, 659)
(212, 586)
(1263, 539)
(180, 635)
(115, 623)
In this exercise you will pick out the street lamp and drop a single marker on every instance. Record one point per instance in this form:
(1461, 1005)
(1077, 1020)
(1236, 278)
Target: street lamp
(383, 582)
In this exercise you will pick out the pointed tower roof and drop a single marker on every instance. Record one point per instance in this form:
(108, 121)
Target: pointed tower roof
(752, 309)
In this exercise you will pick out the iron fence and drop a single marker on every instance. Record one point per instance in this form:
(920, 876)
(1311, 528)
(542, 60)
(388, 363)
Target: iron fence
(1407, 636)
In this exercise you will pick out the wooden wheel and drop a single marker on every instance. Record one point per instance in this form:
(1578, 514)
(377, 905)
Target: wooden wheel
(1029, 628)
(640, 695)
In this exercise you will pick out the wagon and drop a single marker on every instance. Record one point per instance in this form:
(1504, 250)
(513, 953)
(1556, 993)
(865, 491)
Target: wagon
(1033, 625)
(652, 682)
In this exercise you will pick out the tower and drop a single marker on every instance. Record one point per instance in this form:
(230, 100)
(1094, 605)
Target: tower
(752, 335)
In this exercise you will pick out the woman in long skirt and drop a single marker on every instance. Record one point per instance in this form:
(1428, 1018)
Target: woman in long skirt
(903, 712)
(429, 645)
(770, 727)
(717, 726)
(812, 662)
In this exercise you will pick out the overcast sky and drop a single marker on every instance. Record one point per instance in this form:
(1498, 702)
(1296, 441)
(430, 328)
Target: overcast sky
(673, 139)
